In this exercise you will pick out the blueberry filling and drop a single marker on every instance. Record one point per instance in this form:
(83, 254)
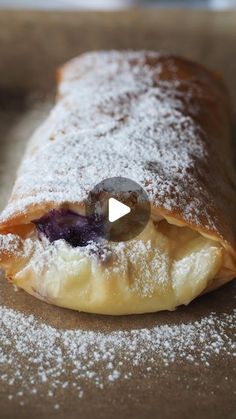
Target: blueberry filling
(75, 229)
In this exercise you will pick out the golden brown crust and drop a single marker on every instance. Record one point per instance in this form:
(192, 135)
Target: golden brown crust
(200, 193)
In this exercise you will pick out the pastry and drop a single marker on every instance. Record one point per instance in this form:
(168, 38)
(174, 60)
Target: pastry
(160, 120)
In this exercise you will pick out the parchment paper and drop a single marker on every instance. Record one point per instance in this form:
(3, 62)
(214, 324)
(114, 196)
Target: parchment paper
(32, 45)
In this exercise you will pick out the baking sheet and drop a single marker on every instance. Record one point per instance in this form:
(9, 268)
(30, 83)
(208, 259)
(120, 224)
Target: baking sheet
(197, 382)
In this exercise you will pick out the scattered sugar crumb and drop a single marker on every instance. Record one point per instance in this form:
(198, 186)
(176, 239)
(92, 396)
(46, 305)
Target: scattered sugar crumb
(41, 357)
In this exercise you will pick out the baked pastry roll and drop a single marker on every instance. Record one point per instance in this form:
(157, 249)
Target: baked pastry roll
(160, 120)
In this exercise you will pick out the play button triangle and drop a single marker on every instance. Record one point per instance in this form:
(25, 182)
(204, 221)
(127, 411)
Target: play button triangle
(116, 210)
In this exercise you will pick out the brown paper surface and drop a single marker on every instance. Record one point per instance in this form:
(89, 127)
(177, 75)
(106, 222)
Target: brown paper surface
(32, 45)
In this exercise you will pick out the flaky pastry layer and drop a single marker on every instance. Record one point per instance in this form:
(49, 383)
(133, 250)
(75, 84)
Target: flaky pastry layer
(160, 120)
(164, 267)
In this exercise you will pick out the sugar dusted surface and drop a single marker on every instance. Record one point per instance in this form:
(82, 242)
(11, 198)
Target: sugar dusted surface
(10, 243)
(117, 116)
(99, 359)
(37, 358)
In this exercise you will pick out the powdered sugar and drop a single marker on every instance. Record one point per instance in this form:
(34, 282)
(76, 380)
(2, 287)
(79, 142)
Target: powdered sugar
(116, 116)
(10, 243)
(39, 359)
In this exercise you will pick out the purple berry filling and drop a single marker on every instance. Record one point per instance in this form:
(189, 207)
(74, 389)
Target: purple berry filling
(75, 229)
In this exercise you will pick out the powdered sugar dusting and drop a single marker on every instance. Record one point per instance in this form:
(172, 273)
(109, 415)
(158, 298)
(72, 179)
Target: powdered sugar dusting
(10, 243)
(37, 358)
(117, 116)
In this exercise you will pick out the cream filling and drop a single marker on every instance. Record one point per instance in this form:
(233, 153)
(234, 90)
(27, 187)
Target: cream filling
(165, 266)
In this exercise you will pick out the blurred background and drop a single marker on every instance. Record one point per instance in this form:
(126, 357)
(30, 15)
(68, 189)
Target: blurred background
(116, 4)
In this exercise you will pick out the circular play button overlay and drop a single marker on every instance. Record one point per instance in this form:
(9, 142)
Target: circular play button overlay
(120, 206)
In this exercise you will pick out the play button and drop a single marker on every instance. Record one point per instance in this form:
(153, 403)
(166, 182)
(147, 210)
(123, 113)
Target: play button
(116, 210)
(119, 207)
